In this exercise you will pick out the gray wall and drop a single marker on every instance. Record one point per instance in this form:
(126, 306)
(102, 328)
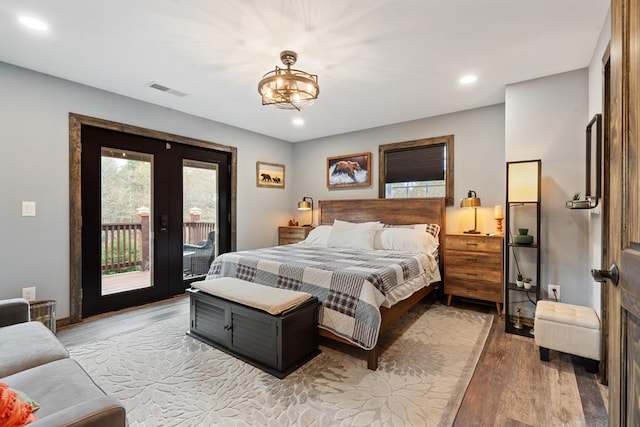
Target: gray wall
(478, 161)
(545, 119)
(596, 105)
(542, 118)
(35, 139)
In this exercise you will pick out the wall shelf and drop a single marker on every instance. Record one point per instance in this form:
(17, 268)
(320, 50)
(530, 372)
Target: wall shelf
(523, 211)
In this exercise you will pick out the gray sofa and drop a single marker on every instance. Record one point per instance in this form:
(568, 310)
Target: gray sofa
(35, 362)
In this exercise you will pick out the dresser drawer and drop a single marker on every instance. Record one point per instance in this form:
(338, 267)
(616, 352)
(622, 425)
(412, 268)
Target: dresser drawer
(474, 289)
(475, 260)
(476, 244)
(456, 272)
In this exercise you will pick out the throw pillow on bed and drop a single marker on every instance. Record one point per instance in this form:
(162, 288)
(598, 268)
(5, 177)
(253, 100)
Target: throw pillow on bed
(353, 235)
(319, 236)
(405, 239)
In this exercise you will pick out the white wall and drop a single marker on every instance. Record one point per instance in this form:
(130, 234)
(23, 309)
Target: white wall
(35, 140)
(596, 105)
(546, 119)
(478, 161)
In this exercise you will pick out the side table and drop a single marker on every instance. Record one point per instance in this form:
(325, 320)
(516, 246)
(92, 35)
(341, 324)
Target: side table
(45, 312)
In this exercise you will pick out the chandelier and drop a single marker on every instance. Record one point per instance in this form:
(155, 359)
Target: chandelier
(288, 89)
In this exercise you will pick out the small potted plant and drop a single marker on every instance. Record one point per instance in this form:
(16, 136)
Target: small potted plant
(519, 281)
(527, 282)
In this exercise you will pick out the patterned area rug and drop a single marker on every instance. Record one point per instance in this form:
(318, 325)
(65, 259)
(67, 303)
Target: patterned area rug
(165, 378)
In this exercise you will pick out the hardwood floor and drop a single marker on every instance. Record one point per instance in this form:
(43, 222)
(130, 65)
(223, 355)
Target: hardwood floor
(510, 386)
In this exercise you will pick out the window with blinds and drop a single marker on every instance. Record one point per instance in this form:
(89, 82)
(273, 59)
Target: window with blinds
(422, 168)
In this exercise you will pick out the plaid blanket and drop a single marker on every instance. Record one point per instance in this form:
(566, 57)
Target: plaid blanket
(350, 284)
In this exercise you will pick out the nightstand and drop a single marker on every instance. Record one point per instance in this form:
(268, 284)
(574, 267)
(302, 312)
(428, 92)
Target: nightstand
(473, 267)
(288, 235)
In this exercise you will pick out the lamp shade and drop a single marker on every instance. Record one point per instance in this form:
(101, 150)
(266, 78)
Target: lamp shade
(304, 205)
(471, 201)
(524, 181)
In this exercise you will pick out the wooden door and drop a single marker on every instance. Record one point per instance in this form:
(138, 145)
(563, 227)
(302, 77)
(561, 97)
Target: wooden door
(623, 216)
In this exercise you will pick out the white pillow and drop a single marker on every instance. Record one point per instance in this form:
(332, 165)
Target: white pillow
(433, 229)
(405, 239)
(353, 235)
(319, 236)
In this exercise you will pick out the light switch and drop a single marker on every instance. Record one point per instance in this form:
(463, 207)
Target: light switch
(28, 208)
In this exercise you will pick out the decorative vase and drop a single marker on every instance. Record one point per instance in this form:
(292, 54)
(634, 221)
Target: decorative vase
(519, 283)
(527, 285)
(523, 238)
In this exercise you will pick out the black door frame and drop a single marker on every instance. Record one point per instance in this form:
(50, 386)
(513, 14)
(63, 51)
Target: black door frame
(76, 122)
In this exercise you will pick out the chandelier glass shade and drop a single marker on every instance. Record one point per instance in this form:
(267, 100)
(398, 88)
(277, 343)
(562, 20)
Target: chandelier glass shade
(287, 88)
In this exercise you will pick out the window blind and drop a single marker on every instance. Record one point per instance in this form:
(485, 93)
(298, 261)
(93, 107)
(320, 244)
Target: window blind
(425, 163)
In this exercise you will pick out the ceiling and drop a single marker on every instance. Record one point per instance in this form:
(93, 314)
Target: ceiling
(378, 61)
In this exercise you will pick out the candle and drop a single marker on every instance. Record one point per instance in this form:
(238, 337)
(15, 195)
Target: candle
(498, 212)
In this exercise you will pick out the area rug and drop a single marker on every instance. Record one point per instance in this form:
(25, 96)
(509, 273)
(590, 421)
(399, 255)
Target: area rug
(165, 378)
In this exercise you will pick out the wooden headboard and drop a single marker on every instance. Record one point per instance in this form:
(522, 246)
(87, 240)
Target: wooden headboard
(388, 211)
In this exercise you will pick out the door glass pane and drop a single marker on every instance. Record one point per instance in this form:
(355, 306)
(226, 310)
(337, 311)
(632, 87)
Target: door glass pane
(127, 239)
(199, 217)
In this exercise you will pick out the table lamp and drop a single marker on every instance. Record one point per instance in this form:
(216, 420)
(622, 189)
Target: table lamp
(471, 201)
(305, 205)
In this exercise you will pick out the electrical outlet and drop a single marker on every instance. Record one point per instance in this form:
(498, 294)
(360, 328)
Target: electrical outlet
(29, 293)
(552, 296)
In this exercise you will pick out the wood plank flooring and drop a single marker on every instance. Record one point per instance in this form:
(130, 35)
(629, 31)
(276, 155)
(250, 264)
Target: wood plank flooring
(510, 386)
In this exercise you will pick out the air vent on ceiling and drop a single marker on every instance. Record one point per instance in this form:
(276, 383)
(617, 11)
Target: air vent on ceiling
(162, 88)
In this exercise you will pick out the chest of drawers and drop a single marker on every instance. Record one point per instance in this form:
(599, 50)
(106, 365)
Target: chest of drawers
(473, 267)
(288, 235)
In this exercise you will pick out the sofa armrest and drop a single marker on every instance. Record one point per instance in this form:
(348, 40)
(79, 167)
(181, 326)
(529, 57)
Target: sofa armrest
(103, 411)
(12, 311)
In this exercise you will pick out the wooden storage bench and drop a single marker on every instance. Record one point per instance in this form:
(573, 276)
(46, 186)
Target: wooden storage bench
(275, 343)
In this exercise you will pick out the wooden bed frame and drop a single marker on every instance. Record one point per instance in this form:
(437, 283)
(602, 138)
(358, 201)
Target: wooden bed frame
(388, 211)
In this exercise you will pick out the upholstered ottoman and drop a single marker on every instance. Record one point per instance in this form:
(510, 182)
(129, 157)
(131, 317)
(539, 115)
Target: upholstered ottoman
(570, 329)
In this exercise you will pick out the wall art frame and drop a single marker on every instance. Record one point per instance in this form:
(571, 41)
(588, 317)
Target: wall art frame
(270, 175)
(349, 170)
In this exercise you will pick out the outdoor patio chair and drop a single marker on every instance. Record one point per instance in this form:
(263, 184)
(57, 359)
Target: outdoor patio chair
(198, 258)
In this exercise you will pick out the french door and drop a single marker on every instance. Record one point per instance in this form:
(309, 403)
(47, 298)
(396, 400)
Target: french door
(154, 215)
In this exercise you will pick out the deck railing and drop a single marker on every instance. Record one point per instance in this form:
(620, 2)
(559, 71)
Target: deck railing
(126, 245)
(121, 245)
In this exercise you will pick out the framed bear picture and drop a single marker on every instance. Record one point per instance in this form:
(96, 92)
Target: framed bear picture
(269, 175)
(351, 170)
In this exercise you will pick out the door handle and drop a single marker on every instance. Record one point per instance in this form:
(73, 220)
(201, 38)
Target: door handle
(612, 274)
(164, 224)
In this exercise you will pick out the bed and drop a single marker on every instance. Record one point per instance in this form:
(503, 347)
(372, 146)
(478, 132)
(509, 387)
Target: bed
(362, 290)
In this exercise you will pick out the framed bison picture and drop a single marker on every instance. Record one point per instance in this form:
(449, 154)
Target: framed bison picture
(351, 170)
(269, 175)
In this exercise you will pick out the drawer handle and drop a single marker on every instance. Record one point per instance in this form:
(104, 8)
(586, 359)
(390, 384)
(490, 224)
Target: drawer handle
(472, 274)
(472, 244)
(472, 259)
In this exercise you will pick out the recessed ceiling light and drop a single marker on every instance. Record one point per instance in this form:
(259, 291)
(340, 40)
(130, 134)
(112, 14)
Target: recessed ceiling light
(468, 79)
(33, 23)
(298, 121)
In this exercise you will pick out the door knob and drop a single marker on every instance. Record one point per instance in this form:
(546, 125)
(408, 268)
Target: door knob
(612, 274)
